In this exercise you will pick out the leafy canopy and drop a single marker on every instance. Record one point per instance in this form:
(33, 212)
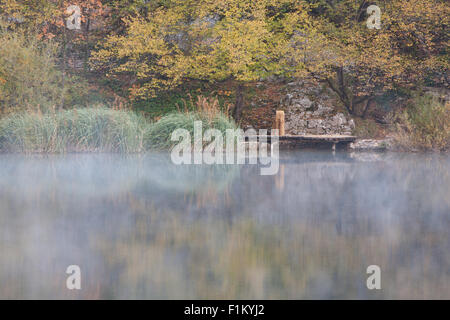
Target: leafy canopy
(207, 40)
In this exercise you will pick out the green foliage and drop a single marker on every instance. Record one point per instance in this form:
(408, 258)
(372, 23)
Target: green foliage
(77, 130)
(425, 125)
(28, 74)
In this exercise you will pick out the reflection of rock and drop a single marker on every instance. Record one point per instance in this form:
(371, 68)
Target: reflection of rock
(366, 156)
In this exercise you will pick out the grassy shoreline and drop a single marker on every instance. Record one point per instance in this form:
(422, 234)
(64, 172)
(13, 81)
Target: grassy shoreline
(425, 127)
(97, 129)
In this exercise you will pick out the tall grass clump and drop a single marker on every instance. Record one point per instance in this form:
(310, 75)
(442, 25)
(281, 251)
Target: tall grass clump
(424, 125)
(206, 110)
(77, 130)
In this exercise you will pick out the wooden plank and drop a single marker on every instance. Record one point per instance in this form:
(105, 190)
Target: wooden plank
(312, 138)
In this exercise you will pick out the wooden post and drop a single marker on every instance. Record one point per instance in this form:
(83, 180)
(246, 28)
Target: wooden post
(279, 122)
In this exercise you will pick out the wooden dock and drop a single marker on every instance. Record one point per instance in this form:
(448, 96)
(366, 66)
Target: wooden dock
(341, 141)
(307, 138)
(331, 139)
(316, 138)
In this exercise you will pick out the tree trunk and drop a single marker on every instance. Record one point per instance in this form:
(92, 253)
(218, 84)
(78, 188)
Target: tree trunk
(346, 99)
(63, 80)
(239, 104)
(364, 113)
(338, 87)
(86, 53)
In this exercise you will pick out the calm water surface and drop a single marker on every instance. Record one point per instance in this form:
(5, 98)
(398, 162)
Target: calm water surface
(140, 227)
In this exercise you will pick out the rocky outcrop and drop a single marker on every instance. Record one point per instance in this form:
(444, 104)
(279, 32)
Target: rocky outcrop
(371, 144)
(311, 110)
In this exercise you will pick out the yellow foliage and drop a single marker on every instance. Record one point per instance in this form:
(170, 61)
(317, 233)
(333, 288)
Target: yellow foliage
(206, 40)
(246, 40)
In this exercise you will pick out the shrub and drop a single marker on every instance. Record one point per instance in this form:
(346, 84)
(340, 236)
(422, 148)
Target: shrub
(76, 130)
(28, 74)
(158, 136)
(424, 125)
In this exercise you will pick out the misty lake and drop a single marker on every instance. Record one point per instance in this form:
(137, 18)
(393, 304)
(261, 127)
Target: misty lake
(140, 227)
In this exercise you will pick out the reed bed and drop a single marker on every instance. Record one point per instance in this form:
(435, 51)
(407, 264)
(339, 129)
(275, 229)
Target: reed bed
(159, 134)
(101, 129)
(77, 130)
(204, 109)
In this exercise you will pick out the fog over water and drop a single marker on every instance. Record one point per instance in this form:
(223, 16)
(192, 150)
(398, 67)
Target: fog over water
(140, 227)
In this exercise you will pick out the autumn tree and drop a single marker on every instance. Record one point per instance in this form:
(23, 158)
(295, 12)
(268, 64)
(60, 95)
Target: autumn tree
(29, 77)
(118, 11)
(358, 63)
(29, 15)
(239, 40)
(65, 22)
(50, 19)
